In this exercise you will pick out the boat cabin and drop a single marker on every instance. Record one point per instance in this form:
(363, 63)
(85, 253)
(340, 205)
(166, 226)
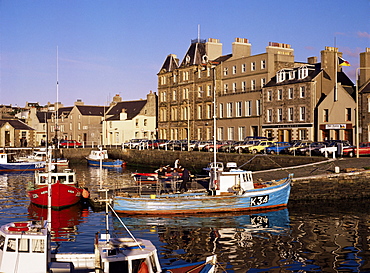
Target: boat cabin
(3, 158)
(67, 177)
(229, 180)
(24, 247)
(97, 155)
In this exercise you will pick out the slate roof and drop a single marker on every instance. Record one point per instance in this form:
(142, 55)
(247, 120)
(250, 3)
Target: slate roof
(133, 108)
(170, 64)
(16, 124)
(43, 116)
(88, 110)
(195, 53)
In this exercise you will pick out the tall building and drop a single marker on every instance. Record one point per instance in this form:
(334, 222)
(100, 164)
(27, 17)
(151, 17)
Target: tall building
(186, 90)
(363, 86)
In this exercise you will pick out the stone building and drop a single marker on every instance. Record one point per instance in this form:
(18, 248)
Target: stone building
(363, 85)
(186, 90)
(312, 101)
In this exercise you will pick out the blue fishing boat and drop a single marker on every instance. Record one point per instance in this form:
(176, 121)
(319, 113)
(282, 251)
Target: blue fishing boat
(100, 157)
(19, 166)
(231, 190)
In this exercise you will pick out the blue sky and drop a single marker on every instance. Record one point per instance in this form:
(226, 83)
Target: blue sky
(108, 47)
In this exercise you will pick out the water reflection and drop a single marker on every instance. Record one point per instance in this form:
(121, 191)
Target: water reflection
(235, 238)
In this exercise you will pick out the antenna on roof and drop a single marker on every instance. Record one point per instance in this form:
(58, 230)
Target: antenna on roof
(198, 33)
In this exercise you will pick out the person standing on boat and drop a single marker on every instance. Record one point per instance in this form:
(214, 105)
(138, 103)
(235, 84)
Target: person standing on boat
(177, 164)
(185, 180)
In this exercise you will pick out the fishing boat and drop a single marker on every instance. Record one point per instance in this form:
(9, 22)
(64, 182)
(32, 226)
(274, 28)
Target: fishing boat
(7, 165)
(63, 185)
(227, 190)
(41, 156)
(97, 157)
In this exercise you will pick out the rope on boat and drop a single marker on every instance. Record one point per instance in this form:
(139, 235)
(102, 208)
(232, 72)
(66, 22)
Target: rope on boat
(128, 231)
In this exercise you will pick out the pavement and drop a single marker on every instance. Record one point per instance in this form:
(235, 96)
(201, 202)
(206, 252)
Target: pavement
(324, 168)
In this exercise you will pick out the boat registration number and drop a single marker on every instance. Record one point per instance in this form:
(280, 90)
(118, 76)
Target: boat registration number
(259, 200)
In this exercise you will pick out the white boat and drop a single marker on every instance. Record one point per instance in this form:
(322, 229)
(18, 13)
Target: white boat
(41, 155)
(100, 157)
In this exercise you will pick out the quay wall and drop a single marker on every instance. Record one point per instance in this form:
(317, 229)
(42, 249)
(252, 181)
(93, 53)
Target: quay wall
(194, 161)
(328, 186)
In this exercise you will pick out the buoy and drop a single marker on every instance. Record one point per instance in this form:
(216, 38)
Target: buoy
(85, 193)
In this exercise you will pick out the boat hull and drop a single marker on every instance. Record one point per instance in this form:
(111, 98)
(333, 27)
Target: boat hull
(63, 196)
(192, 203)
(106, 164)
(22, 166)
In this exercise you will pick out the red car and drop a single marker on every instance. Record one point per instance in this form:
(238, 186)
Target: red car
(364, 149)
(70, 144)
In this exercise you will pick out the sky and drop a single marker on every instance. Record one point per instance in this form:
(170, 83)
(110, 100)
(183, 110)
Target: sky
(96, 49)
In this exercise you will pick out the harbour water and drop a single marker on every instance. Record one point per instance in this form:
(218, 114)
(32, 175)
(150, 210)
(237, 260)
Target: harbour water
(303, 238)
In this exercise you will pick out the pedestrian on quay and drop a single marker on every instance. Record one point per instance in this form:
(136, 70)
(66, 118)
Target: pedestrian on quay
(185, 180)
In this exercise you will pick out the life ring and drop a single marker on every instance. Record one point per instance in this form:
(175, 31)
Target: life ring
(19, 227)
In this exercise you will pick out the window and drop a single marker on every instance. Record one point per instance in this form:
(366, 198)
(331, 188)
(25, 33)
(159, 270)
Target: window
(269, 95)
(253, 66)
(229, 109)
(302, 134)
(226, 71)
(221, 110)
(263, 82)
(226, 86)
(209, 90)
(164, 96)
(234, 69)
(368, 105)
(280, 94)
(234, 87)
(290, 93)
(174, 95)
(79, 126)
(23, 245)
(302, 91)
(263, 64)
(280, 76)
(199, 111)
(239, 108)
(137, 123)
(290, 114)
(348, 114)
(291, 75)
(200, 91)
(253, 84)
(208, 71)
(302, 113)
(269, 115)
(220, 133)
(241, 133)
(230, 133)
(326, 115)
(145, 122)
(209, 111)
(302, 72)
(258, 107)
(244, 68)
(248, 108)
(280, 115)
(174, 78)
(244, 87)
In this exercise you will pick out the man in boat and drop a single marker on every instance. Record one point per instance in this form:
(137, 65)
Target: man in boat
(185, 180)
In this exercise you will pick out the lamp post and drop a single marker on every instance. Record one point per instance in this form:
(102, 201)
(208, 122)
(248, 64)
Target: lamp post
(357, 110)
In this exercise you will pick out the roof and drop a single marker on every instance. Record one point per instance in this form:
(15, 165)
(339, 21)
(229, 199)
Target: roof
(43, 116)
(16, 124)
(196, 54)
(87, 110)
(170, 64)
(132, 109)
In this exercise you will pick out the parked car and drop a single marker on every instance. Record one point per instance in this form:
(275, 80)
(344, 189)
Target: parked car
(260, 146)
(69, 144)
(277, 147)
(200, 144)
(363, 149)
(297, 145)
(132, 143)
(312, 148)
(243, 146)
(333, 146)
(229, 147)
(154, 144)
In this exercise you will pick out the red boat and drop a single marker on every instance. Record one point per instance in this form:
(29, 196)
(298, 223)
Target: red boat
(63, 187)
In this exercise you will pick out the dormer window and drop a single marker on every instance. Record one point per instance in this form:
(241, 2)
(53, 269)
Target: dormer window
(302, 72)
(291, 75)
(280, 76)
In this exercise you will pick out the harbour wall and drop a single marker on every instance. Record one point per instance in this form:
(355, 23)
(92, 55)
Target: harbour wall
(316, 180)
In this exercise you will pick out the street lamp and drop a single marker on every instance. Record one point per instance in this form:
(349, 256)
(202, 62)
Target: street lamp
(357, 110)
